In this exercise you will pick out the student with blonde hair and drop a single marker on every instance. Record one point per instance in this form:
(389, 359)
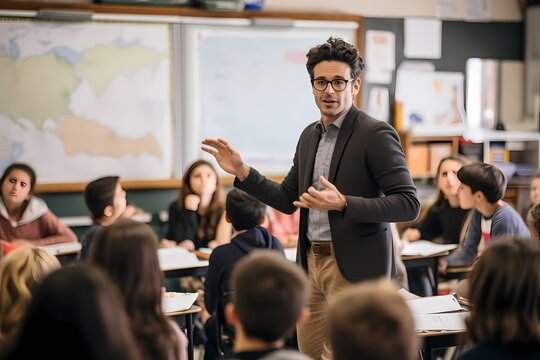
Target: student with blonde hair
(20, 272)
(505, 293)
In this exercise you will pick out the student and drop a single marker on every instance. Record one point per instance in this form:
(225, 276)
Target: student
(533, 220)
(283, 226)
(269, 297)
(75, 313)
(245, 213)
(482, 187)
(444, 218)
(197, 218)
(24, 217)
(535, 189)
(505, 293)
(372, 321)
(106, 201)
(20, 272)
(127, 252)
(349, 177)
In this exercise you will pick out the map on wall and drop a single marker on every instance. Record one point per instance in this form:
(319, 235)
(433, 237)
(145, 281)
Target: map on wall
(83, 100)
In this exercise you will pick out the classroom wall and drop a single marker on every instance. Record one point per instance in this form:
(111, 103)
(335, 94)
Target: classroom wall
(501, 10)
(72, 204)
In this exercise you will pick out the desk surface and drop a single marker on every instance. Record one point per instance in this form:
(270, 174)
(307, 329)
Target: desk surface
(192, 310)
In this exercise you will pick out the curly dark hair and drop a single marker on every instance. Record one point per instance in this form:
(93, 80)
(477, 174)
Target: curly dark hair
(335, 49)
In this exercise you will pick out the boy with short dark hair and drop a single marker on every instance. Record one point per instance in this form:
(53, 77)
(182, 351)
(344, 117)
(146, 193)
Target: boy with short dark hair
(245, 213)
(371, 320)
(270, 296)
(482, 188)
(106, 201)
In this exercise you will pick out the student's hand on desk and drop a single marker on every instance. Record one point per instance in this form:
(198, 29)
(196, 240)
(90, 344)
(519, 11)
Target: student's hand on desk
(227, 157)
(411, 235)
(187, 244)
(327, 199)
(443, 265)
(166, 243)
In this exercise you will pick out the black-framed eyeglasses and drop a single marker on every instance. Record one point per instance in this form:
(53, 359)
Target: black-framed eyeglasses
(337, 84)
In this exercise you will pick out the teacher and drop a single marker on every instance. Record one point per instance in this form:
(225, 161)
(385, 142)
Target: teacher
(350, 178)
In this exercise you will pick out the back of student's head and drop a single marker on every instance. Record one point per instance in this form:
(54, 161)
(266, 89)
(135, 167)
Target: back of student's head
(505, 291)
(372, 321)
(20, 273)
(485, 178)
(127, 252)
(243, 210)
(75, 313)
(23, 167)
(270, 294)
(99, 194)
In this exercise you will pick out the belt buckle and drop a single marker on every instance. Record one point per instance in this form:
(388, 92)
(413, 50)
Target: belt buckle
(321, 249)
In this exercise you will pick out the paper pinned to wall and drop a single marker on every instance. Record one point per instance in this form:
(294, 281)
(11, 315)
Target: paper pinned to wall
(448, 9)
(423, 38)
(478, 10)
(380, 56)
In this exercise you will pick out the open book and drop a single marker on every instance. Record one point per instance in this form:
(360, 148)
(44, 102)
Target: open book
(425, 248)
(173, 301)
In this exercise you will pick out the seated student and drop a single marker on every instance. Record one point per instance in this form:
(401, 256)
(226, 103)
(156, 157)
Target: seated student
(283, 226)
(482, 188)
(372, 321)
(127, 252)
(197, 218)
(24, 217)
(20, 272)
(106, 201)
(444, 219)
(533, 220)
(270, 296)
(75, 313)
(245, 213)
(505, 293)
(535, 189)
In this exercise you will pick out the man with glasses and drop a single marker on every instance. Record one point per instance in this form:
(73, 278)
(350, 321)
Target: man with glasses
(350, 178)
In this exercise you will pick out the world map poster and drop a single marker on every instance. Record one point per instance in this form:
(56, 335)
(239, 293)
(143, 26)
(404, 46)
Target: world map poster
(80, 100)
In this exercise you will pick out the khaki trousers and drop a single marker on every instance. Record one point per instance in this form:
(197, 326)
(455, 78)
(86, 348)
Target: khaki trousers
(326, 281)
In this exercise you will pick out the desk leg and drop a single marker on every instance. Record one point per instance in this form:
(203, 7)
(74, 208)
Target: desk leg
(189, 327)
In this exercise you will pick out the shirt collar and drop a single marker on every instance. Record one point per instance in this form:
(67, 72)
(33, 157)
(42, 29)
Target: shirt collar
(337, 123)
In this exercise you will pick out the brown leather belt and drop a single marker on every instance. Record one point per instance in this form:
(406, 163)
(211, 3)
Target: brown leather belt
(322, 248)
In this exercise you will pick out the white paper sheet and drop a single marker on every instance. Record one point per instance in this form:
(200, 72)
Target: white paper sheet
(425, 248)
(290, 254)
(434, 304)
(423, 38)
(176, 257)
(449, 322)
(173, 301)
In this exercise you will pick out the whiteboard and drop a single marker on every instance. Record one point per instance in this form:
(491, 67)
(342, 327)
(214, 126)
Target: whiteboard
(249, 85)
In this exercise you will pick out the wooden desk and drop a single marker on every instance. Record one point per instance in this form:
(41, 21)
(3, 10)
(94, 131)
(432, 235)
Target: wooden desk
(432, 340)
(65, 252)
(185, 319)
(457, 272)
(199, 269)
(430, 263)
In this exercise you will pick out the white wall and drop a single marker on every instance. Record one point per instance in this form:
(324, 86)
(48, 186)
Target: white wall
(501, 10)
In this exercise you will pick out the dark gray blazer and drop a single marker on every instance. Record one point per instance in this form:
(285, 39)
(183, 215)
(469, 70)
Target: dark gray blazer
(368, 167)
